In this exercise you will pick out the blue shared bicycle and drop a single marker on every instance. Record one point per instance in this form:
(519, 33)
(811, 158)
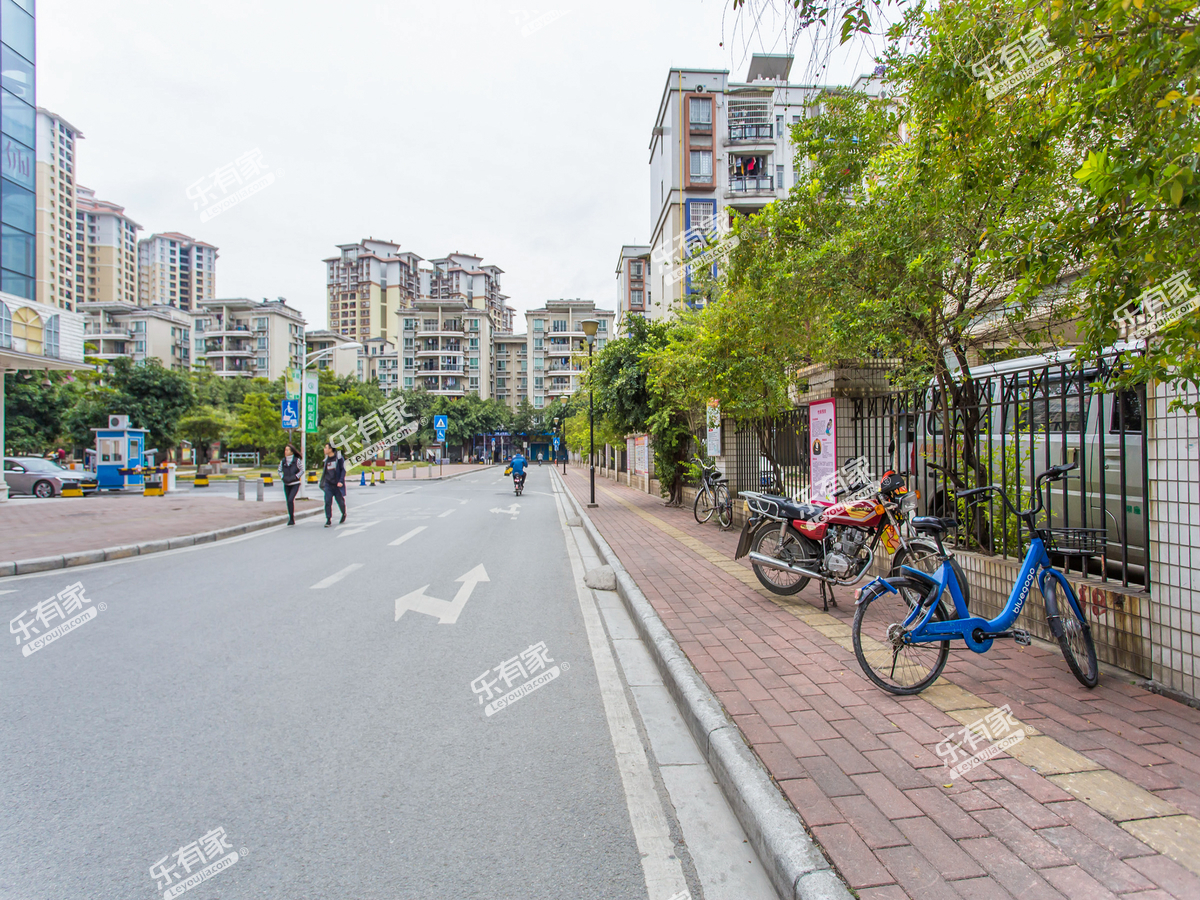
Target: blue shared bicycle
(903, 624)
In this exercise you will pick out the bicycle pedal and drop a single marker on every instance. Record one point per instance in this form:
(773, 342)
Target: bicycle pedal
(1021, 636)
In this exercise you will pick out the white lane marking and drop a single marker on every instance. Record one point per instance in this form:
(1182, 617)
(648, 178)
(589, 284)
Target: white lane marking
(357, 528)
(335, 577)
(661, 867)
(373, 502)
(8, 592)
(446, 513)
(514, 510)
(445, 611)
(404, 537)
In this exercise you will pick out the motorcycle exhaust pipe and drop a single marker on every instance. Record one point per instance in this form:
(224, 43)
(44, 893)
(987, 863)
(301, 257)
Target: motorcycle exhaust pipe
(772, 563)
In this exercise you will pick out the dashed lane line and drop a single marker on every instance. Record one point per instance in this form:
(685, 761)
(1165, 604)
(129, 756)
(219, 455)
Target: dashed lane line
(404, 537)
(335, 577)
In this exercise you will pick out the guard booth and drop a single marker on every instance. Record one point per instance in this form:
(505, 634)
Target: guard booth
(119, 446)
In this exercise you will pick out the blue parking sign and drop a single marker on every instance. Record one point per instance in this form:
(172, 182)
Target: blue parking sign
(290, 414)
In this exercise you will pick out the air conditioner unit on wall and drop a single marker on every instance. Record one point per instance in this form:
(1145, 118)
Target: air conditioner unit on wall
(118, 421)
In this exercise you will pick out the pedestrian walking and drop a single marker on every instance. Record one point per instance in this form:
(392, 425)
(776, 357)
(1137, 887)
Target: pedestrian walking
(290, 472)
(333, 483)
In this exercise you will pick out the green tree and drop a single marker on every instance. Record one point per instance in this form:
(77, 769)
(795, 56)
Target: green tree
(258, 426)
(154, 398)
(32, 412)
(204, 424)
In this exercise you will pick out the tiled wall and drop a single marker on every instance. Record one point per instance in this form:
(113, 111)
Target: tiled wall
(1174, 470)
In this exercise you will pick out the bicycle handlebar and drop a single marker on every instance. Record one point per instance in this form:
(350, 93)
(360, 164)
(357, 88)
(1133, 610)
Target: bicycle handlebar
(1054, 473)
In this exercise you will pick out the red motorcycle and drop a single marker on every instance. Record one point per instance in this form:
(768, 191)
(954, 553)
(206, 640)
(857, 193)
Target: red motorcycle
(791, 543)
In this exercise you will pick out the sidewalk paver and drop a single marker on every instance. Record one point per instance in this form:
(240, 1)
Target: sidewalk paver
(1098, 800)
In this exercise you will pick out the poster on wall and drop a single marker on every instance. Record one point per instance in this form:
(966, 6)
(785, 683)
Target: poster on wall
(640, 465)
(713, 421)
(629, 459)
(822, 448)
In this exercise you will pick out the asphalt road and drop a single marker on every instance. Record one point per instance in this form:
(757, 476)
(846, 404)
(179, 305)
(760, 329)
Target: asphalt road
(264, 686)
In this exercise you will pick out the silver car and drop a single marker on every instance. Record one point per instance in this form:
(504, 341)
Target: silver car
(42, 478)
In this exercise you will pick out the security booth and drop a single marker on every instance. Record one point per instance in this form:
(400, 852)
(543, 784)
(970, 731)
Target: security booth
(120, 454)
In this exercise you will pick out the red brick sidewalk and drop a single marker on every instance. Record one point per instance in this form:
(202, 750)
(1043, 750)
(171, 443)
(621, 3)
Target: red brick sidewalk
(1099, 801)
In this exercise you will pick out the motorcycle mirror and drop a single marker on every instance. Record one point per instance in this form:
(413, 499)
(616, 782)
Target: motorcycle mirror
(891, 446)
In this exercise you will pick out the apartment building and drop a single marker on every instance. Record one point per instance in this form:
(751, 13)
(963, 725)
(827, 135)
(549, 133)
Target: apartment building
(118, 329)
(18, 238)
(105, 251)
(246, 338)
(56, 210)
(176, 270)
(557, 346)
(366, 280)
(633, 280)
(340, 362)
(379, 361)
(369, 281)
(446, 348)
(720, 149)
(509, 371)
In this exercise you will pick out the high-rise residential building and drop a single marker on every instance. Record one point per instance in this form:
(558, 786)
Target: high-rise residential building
(339, 361)
(18, 128)
(510, 368)
(117, 329)
(56, 210)
(364, 282)
(633, 280)
(176, 270)
(558, 347)
(367, 282)
(247, 338)
(720, 149)
(105, 251)
(446, 348)
(379, 361)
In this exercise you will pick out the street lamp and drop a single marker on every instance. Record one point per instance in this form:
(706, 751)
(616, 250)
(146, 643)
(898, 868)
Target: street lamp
(312, 357)
(589, 327)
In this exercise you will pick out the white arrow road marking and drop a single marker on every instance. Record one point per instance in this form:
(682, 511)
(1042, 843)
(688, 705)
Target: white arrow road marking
(357, 529)
(446, 612)
(404, 537)
(336, 577)
(514, 510)
(446, 513)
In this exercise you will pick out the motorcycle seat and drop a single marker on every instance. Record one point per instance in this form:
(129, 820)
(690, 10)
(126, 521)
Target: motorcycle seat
(793, 510)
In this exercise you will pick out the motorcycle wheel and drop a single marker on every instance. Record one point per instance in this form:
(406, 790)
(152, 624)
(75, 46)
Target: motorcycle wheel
(774, 539)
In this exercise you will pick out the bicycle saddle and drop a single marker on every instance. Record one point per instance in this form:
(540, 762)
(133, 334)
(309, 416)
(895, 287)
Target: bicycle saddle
(933, 524)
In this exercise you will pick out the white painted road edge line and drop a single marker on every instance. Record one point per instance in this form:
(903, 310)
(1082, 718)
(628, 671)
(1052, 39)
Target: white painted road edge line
(404, 537)
(661, 867)
(336, 577)
(446, 513)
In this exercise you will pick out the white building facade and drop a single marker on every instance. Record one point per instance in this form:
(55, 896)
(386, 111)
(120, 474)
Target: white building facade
(248, 339)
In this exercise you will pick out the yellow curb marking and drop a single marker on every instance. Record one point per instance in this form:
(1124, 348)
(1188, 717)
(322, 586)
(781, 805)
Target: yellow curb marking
(1152, 820)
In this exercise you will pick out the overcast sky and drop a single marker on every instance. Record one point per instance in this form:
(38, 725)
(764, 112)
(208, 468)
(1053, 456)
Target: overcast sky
(440, 126)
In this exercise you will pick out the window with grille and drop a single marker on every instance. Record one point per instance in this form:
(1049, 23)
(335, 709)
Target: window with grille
(701, 165)
(700, 112)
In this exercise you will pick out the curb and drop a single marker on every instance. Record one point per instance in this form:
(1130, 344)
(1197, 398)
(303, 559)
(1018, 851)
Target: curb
(87, 557)
(794, 862)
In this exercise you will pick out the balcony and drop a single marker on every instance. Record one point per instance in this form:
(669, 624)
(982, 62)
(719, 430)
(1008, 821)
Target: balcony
(741, 132)
(743, 185)
(111, 330)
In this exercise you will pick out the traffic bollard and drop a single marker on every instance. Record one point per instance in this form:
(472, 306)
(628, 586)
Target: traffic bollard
(260, 489)
(362, 482)
(414, 470)
(241, 487)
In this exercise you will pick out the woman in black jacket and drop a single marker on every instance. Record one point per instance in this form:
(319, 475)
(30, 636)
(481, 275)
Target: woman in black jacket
(291, 470)
(333, 483)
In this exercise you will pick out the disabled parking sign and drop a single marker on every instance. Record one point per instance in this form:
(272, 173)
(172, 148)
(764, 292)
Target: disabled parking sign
(290, 414)
(440, 424)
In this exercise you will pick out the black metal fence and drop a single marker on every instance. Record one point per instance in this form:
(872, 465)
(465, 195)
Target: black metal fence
(1002, 427)
(772, 454)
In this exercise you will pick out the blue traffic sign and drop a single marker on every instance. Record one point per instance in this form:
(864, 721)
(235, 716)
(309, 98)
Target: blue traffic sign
(440, 424)
(290, 414)
(556, 443)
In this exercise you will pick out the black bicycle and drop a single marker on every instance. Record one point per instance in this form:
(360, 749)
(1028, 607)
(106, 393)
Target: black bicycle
(713, 496)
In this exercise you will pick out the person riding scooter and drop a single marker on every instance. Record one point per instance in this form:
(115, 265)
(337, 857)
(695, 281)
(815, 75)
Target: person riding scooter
(518, 465)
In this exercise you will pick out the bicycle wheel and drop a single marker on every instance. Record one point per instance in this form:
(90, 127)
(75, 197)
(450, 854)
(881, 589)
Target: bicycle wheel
(724, 506)
(702, 509)
(774, 539)
(1078, 648)
(878, 634)
(924, 557)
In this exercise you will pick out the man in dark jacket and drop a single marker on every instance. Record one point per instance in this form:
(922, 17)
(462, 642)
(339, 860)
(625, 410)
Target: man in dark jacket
(333, 483)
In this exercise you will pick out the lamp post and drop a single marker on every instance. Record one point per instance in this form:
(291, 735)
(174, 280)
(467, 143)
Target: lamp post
(589, 327)
(312, 357)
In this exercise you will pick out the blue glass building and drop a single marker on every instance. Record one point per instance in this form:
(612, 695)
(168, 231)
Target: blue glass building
(18, 114)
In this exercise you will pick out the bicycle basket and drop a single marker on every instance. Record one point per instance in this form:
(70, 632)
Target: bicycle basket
(1077, 541)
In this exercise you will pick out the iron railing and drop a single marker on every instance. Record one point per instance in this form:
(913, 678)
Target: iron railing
(772, 454)
(1007, 425)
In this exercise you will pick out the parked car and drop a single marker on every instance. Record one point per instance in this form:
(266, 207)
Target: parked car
(41, 477)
